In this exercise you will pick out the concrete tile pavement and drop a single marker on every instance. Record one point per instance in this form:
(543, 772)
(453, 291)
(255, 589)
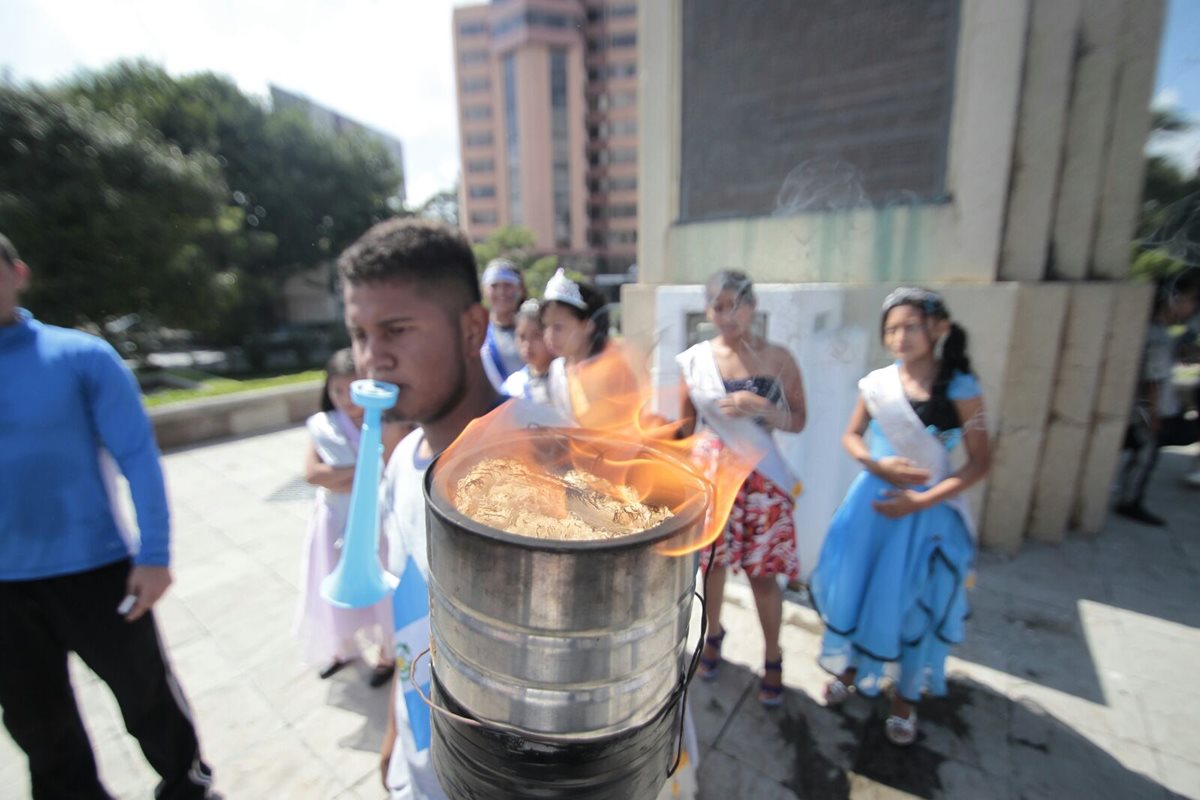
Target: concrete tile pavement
(1074, 680)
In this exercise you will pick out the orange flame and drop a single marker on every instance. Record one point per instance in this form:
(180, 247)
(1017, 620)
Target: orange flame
(620, 440)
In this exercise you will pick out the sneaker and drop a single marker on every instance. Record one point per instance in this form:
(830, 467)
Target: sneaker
(1138, 513)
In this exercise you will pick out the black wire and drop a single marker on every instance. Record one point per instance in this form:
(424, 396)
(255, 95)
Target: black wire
(680, 692)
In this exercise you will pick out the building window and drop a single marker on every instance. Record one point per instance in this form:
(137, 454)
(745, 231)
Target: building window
(623, 127)
(621, 183)
(477, 112)
(478, 165)
(619, 40)
(614, 183)
(622, 99)
(560, 147)
(535, 19)
(470, 85)
(469, 57)
(627, 70)
(472, 28)
(620, 211)
(484, 218)
(544, 19)
(481, 192)
(617, 155)
(481, 139)
(512, 150)
(595, 14)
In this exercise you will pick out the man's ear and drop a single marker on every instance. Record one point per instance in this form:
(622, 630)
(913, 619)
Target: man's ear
(23, 272)
(474, 323)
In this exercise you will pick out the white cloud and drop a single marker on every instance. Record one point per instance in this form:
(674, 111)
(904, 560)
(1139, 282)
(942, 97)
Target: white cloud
(386, 63)
(1182, 148)
(1166, 98)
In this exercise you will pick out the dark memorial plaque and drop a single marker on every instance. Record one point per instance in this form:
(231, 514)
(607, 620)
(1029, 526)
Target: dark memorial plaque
(853, 95)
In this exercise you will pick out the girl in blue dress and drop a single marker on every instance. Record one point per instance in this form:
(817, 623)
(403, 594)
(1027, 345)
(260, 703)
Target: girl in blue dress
(890, 582)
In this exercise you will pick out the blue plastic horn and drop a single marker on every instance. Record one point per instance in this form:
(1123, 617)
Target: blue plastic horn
(360, 580)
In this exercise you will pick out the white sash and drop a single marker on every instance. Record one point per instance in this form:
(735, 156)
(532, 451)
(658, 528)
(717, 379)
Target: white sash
(884, 396)
(706, 387)
(559, 389)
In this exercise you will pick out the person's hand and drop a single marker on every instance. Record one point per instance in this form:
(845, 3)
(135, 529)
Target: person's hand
(147, 584)
(901, 472)
(742, 404)
(900, 503)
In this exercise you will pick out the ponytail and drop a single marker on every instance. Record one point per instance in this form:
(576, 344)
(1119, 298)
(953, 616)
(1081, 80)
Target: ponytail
(953, 359)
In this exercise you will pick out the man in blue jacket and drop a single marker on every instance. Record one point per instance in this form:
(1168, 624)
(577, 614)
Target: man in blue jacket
(71, 577)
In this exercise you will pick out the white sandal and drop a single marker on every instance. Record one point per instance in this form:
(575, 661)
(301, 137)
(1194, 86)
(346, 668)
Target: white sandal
(901, 731)
(836, 693)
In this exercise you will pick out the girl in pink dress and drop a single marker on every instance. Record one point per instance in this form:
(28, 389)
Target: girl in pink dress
(330, 635)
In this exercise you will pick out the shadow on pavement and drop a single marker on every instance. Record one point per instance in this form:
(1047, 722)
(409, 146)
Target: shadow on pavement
(350, 691)
(974, 743)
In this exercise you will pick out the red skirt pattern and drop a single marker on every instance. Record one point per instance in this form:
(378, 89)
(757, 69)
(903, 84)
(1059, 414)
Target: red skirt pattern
(760, 537)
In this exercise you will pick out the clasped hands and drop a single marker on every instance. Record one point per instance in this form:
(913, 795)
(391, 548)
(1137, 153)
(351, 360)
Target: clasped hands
(903, 474)
(744, 404)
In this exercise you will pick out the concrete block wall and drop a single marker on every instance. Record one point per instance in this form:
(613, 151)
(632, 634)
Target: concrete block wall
(239, 414)
(1089, 309)
(1021, 412)
(1118, 380)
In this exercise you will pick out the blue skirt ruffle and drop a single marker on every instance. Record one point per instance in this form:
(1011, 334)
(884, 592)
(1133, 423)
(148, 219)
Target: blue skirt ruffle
(892, 593)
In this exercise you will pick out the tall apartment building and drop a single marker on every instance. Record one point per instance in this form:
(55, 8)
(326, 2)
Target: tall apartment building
(547, 104)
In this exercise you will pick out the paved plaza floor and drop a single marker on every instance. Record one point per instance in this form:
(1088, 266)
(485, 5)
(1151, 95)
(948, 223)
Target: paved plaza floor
(1074, 682)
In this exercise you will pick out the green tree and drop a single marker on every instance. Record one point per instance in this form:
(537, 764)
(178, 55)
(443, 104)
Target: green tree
(517, 244)
(105, 211)
(293, 197)
(513, 242)
(303, 195)
(442, 206)
(1168, 230)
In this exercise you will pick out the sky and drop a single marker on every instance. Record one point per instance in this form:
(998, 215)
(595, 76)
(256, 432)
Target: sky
(386, 63)
(1178, 82)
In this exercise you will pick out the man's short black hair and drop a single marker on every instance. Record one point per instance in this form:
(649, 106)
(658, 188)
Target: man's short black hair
(428, 254)
(7, 251)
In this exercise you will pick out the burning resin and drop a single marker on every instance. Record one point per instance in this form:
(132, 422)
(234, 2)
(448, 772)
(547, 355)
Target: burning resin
(509, 495)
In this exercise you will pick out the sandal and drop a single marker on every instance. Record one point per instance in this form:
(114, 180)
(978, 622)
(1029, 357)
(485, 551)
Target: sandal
(334, 667)
(836, 693)
(771, 696)
(708, 666)
(382, 674)
(901, 731)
